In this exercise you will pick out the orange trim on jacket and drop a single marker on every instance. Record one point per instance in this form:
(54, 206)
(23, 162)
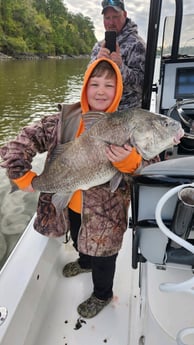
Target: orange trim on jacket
(130, 163)
(25, 180)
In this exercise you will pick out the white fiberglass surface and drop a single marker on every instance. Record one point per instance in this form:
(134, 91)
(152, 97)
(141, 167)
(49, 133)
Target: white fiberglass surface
(58, 325)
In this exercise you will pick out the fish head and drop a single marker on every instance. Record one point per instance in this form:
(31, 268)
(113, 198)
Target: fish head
(155, 133)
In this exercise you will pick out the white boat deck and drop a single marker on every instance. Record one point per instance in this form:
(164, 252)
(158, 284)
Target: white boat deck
(42, 303)
(110, 326)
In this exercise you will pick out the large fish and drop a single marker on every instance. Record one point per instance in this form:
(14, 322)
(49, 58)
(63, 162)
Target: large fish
(82, 162)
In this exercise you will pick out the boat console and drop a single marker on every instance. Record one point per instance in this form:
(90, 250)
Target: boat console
(149, 242)
(162, 194)
(162, 202)
(178, 86)
(174, 93)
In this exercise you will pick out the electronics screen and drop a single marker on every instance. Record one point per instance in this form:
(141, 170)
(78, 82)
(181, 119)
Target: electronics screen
(184, 87)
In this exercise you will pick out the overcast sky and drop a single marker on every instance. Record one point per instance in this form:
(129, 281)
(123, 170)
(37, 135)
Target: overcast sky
(137, 10)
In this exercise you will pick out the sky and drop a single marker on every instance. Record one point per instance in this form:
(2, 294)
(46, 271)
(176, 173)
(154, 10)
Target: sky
(137, 10)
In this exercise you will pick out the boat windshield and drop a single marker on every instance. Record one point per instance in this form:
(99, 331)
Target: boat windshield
(186, 44)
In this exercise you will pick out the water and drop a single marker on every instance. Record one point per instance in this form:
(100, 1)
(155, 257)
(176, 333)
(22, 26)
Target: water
(29, 90)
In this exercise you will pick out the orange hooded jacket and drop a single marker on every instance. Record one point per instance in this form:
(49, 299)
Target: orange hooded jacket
(128, 165)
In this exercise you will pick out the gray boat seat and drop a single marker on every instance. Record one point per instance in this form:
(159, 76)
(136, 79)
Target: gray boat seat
(152, 244)
(149, 242)
(173, 167)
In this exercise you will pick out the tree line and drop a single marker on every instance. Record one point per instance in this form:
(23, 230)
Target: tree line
(43, 27)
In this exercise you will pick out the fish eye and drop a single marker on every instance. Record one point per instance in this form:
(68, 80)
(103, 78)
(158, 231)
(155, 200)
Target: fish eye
(166, 123)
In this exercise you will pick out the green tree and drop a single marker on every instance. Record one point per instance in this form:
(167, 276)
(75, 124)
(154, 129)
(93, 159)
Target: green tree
(40, 6)
(43, 27)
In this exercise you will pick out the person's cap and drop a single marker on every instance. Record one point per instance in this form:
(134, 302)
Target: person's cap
(118, 5)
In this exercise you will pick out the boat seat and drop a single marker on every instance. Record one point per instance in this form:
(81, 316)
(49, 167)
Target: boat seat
(149, 242)
(180, 256)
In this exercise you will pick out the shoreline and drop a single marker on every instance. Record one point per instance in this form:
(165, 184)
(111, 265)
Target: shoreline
(4, 57)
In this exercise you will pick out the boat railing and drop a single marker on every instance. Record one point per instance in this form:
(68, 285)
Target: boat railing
(161, 224)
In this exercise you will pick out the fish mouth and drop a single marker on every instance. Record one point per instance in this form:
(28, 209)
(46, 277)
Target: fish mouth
(178, 136)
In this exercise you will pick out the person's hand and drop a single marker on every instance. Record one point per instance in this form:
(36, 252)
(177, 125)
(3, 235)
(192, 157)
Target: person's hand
(103, 52)
(116, 56)
(117, 153)
(28, 189)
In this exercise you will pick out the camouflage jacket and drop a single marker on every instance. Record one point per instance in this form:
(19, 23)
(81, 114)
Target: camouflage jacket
(104, 214)
(132, 49)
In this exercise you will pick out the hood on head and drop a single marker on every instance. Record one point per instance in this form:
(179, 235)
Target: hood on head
(119, 90)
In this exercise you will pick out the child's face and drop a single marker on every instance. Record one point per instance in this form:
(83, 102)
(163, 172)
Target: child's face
(101, 92)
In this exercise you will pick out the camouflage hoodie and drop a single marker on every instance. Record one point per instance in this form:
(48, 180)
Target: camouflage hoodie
(132, 49)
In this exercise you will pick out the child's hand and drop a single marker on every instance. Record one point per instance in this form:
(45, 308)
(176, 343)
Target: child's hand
(118, 153)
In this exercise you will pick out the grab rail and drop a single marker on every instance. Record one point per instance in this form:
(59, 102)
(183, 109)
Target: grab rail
(186, 286)
(161, 224)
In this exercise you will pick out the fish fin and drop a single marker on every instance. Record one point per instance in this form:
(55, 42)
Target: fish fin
(115, 181)
(60, 201)
(92, 117)
(131, 140)
(59, 149)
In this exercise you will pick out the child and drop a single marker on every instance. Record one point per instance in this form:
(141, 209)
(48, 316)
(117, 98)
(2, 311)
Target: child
(97, 218)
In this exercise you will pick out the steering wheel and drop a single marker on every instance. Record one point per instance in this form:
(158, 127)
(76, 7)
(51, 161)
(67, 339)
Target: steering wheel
(188, 122)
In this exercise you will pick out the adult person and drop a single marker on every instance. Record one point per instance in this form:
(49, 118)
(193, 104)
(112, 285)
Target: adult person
(97, 217)
(130, 51)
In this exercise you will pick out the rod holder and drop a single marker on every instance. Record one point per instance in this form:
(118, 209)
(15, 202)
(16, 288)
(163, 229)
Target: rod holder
(183, 217)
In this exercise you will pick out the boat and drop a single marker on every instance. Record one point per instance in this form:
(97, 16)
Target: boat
(153, 299)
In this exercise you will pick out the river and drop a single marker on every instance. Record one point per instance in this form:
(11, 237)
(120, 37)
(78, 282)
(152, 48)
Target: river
(28, 91)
